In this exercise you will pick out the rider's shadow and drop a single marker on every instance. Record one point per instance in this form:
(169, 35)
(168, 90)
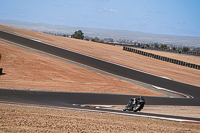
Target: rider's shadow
(2, 74)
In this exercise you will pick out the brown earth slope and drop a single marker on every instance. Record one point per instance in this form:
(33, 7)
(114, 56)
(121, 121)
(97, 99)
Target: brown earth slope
(28, 70)
(117, 55)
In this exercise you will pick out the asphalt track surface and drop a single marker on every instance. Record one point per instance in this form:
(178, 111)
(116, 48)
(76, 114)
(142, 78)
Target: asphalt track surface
(64, 99)
(67, 99)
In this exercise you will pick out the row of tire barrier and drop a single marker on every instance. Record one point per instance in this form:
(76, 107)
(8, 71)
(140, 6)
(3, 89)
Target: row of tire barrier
(158, 49)
(170, 60)
(192, 53)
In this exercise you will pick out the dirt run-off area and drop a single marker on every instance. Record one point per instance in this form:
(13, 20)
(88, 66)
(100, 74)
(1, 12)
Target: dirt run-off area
(24, 69)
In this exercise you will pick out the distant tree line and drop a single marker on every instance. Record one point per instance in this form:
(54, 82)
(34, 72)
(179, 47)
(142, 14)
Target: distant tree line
(161, 47)
(80, 35)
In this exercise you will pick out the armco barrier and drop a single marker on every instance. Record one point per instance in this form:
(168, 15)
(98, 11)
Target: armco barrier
(170, 60)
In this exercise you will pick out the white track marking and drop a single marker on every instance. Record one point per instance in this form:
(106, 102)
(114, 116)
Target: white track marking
(174, 92)
(36, 40)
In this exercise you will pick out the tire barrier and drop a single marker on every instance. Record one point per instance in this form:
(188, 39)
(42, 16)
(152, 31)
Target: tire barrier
(170, 60)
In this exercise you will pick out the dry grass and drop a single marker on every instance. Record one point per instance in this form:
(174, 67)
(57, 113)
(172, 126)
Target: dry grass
(185, 111)
(29, 70)
(33, 119)
(117, 55)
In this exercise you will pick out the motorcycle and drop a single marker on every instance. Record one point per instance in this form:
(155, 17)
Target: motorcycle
(135, 104)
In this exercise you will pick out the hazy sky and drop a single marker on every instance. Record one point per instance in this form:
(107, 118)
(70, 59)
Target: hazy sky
(175, 17)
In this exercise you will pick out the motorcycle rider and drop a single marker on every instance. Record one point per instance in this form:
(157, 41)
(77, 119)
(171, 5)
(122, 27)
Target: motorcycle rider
(130, 104)
(135, 104)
